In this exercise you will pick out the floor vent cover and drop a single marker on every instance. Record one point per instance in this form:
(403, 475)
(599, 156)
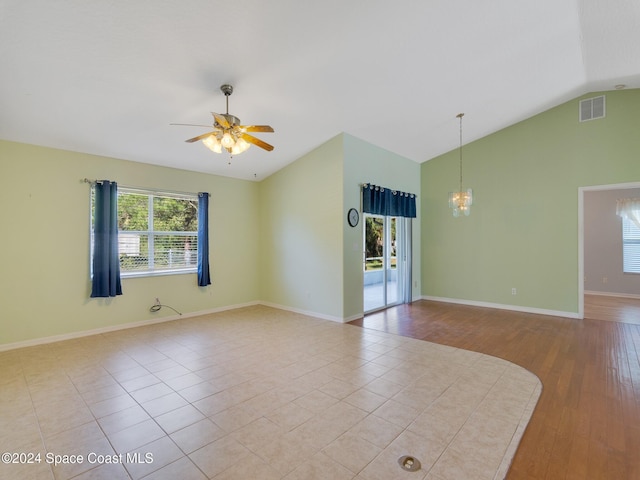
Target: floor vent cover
(410, 464)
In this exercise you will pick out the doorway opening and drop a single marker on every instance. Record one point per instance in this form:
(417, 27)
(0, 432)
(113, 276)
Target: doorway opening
(581, 237)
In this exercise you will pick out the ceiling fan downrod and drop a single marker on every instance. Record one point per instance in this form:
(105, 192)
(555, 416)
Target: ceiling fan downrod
(227, 90)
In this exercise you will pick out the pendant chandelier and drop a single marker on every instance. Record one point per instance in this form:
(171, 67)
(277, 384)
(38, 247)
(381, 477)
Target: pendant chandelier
(461, 200)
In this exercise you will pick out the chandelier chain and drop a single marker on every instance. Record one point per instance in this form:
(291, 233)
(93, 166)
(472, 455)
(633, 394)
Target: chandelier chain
(460, 115)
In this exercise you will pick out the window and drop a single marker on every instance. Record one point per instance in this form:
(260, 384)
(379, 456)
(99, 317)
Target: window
(630, 246)
(157, 232)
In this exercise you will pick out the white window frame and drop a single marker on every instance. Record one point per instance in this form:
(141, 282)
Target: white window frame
(630, 246)
(152, 234)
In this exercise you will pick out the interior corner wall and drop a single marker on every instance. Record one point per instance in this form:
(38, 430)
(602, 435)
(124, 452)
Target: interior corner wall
(301, 234)
(364, 162)
(523, 229)
(45, 285)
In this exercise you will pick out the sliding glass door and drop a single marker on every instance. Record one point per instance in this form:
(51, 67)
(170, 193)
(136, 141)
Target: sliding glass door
(387, 246)
(382, 269)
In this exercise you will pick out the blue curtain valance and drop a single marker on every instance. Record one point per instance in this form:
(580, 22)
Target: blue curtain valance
(385, 201)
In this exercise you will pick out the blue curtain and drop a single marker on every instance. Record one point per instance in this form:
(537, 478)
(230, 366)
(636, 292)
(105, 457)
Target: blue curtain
(204, 278)
(384, 201)
(106, 264)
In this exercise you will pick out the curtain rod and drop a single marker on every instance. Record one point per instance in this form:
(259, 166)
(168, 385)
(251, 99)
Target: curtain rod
(366, 184)
(93, 182)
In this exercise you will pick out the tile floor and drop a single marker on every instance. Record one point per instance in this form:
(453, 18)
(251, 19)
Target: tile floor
(258, 393)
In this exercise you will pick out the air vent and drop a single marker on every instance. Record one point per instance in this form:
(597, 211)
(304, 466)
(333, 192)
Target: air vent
(592, 108)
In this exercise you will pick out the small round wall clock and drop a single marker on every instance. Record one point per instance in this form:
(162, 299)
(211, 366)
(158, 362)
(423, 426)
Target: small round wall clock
(353, 217)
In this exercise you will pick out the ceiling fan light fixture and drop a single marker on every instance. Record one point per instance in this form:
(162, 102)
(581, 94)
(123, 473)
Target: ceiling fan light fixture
(227, 140)
(213, 143)
(240, 146)
(228, 133)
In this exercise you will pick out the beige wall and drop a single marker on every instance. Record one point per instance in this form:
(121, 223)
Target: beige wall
(45, 286)
(283, 241)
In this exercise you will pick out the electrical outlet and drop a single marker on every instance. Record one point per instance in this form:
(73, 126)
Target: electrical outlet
(514, 291)
(605, 279)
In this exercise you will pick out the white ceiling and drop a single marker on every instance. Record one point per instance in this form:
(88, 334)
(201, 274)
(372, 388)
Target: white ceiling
(108, 77)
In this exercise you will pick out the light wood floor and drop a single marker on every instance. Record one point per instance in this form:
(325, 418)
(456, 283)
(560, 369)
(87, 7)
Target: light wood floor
(587, 422)
(615, 309)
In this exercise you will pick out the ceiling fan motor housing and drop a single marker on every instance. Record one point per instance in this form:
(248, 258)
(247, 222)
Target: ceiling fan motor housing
(233, 121)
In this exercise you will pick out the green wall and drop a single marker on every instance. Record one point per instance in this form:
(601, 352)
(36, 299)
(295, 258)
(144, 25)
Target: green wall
(311, 260)
(301, 233)
(366, 163)
(285, 241)
(523, 229)
(45, 286)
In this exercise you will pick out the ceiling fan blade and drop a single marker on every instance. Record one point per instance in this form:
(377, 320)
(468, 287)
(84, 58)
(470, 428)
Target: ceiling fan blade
(257, 128)
(200, 137)
(256, 141)
(222, 121)
(190, 125)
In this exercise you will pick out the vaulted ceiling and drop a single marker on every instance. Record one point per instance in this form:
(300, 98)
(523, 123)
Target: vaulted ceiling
(108, 77)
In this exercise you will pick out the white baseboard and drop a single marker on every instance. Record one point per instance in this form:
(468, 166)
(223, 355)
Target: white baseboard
(309, 313)
(500, 306)
(114, 328)
(612, 294)
(151, 321)
(353, 317)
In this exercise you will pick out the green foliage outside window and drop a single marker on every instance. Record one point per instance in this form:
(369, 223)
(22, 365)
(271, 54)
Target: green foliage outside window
(374, 243)
(157, 233)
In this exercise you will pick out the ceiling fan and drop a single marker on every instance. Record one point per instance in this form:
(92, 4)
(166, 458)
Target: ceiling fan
(228, 133)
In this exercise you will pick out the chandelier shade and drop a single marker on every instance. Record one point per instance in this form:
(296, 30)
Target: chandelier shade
(461, 202)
